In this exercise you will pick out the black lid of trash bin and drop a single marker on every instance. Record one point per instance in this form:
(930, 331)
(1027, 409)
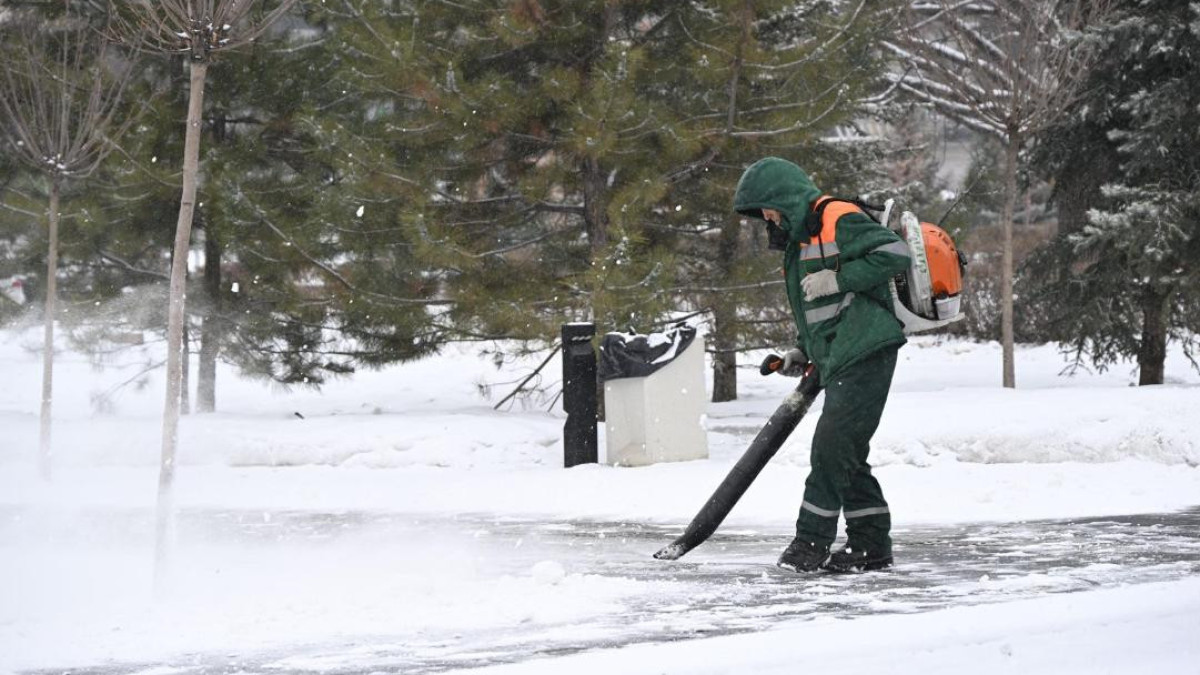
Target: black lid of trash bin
(633, 355)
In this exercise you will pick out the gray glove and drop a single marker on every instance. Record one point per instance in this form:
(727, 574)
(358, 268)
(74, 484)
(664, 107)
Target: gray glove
(819, 284)
(794, 363)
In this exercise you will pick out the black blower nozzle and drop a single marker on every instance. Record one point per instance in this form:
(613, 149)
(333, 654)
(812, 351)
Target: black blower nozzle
(742, 475)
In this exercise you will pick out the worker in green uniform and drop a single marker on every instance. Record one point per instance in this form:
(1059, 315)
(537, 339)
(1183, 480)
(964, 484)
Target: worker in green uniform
(837, 263)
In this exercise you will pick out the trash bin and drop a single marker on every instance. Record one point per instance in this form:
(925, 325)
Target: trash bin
(654, 397)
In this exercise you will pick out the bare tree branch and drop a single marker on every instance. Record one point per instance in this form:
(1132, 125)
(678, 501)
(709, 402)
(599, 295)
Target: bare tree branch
(1005, 67)
(193, 27)
(61, 102)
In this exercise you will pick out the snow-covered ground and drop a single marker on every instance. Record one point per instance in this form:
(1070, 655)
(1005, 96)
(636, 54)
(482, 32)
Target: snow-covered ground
(1143, 629)
(396, 513)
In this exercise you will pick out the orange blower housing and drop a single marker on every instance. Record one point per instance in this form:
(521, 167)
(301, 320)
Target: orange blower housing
(929, 294)
(945, 269)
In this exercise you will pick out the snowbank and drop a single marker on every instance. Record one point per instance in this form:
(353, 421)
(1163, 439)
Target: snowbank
(946, 407)
(419, 438)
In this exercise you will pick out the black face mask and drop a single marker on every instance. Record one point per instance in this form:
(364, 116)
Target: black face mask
(777, 239)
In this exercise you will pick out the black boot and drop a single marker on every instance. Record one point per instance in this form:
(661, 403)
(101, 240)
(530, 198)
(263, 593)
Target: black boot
(803, 556)
(852, 559)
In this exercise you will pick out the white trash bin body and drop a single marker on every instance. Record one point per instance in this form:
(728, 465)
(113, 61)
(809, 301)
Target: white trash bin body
(659, 417)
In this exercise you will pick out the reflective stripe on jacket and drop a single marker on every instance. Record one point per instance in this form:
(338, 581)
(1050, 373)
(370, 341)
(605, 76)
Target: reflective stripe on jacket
(857, 321)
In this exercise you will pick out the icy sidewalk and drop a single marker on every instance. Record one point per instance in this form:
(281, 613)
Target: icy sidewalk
(362, 592)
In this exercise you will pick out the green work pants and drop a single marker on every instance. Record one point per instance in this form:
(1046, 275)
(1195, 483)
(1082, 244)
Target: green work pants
(840, 481)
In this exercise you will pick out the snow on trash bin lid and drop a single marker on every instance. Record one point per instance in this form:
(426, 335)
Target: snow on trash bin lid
(634, 355)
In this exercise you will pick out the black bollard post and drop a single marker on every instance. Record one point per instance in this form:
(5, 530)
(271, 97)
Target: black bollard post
(579, 394)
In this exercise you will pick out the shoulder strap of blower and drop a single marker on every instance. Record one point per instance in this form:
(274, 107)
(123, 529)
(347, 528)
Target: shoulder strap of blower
(814, 221)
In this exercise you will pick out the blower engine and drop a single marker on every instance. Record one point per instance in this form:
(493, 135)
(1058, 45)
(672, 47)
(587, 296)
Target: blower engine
(929, 294)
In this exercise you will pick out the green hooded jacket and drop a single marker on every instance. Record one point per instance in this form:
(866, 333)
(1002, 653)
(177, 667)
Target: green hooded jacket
(856, 322)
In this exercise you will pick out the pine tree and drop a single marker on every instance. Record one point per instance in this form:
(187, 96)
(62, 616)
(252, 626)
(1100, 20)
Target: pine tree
(118, 239)
(1121, 279)
(325, 278)
(558, 155)
(576, 160)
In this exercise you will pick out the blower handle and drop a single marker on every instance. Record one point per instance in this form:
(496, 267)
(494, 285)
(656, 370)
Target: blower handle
(774, 363)
(771, 364)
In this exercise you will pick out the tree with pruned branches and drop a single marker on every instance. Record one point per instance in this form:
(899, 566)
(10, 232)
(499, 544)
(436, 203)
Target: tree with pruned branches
(1005, 68)
(197, 30)
(61, 113)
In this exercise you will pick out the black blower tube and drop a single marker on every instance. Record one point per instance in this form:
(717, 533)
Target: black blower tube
(742, 475)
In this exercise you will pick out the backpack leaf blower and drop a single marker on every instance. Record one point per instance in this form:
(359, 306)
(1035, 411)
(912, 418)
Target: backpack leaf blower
(928, 295)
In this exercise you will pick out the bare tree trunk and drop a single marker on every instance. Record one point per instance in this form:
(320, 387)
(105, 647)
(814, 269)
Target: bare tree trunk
(44, 450)
(185, 374)
(724, 359)
(595, 182)
(1006, 264)
(183, 232)
(595, 185)
(210, 330)
(746, 22)
(725, 318)
(1152, 353)
(595, 201)
(1028, 207)
(596, 223)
